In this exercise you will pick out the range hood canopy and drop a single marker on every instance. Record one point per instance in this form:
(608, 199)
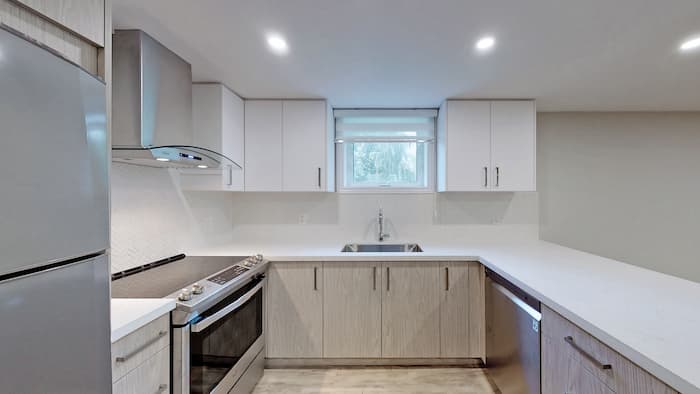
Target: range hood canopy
(152, 107)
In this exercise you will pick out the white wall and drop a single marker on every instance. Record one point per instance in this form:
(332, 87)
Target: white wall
(624, 186)
(152, 219)
(262, 218)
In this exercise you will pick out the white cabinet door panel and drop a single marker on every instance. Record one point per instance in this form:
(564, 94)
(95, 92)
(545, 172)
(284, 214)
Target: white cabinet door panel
(468, 141)
(513, 145)
(304, 145)
(263, 145)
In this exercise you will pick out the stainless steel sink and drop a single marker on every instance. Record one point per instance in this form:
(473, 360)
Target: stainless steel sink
(381, 248)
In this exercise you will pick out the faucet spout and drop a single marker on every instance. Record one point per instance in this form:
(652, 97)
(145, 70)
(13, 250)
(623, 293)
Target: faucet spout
(380, 221)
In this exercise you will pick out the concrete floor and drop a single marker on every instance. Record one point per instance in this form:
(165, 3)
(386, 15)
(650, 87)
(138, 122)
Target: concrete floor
(401, 380)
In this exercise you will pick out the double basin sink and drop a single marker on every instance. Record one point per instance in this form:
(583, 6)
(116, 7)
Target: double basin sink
(381, 248)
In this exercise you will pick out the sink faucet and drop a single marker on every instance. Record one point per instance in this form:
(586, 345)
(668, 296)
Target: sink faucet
(380, 220)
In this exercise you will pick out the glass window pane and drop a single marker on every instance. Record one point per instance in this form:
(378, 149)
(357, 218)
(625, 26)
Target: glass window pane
(382, 163)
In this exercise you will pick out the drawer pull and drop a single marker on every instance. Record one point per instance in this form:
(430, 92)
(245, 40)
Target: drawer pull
(125, 358)
(600, 365)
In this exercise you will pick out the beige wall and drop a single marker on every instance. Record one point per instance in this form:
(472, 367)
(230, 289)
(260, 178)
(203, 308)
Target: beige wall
(624, 186)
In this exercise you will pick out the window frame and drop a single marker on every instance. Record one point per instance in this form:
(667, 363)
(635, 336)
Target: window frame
(430, 174)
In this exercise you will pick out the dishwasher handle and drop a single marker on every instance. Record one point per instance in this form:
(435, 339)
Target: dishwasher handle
(518, 302)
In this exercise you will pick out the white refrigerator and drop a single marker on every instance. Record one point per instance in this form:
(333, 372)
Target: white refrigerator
(54, 224)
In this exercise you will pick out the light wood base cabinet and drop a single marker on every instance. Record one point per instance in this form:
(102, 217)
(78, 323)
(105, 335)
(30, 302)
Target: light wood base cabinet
(573, 362)
(376, 310)
(352, 310)
(411, 310)
(294, 310)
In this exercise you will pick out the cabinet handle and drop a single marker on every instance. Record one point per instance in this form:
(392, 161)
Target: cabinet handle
(230, 176)
(486, 176)
(125, 358)
(315, 278)
(498, 176)
(388, 279)
(374, 278)
(162, 387)
(570, 341)
(447, 278)
(319, 177)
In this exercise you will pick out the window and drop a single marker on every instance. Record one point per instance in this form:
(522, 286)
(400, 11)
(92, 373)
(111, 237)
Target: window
(391, 150)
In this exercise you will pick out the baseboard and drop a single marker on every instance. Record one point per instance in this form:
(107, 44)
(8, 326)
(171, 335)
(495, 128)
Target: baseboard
(277, 363)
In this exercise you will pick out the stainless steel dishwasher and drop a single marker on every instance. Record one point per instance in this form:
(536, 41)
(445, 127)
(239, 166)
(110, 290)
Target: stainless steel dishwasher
(512, 337)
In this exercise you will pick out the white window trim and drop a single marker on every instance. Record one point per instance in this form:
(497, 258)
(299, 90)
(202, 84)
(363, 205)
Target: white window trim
(430, 174)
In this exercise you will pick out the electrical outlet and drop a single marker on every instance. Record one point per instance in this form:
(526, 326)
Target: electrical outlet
(303, 218)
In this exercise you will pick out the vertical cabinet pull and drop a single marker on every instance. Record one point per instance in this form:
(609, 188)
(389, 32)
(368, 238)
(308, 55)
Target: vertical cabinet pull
(374, 278)
(486, 176)
(498, 176)
(319, 177)
(229, 182)
(388, 279)
(447, 278)
(315, 278)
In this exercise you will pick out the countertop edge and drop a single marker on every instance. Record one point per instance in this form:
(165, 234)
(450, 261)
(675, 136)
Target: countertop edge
(141, 319)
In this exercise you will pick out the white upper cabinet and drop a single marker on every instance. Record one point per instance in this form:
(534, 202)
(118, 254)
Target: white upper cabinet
(304, 147)
(218, 121)
(486, 146)
(513, 145)
(263, 145)
(286, 145)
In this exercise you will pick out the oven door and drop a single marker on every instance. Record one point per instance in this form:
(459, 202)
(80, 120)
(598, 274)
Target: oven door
(225, 339)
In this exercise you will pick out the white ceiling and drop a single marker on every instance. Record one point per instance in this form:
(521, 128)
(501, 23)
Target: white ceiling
(568, 54)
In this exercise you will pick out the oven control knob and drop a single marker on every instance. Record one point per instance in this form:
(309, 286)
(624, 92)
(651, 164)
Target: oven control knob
(258, 258)
(185, 295)
(197, 288)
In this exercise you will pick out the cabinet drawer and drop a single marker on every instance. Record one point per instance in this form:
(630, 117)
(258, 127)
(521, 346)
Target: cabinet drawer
(135, 348)
(151, 376)
(610, 367)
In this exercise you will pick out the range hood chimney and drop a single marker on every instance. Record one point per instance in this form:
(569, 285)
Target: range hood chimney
(152, 106)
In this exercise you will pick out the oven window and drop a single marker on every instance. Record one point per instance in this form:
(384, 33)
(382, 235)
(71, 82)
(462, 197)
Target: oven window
(216, 349)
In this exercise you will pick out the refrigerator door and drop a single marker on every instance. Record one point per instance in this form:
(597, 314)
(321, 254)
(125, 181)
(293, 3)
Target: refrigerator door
(53, 162)
(55, 330)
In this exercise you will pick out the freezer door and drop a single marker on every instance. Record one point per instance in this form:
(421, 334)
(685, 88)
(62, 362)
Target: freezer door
(53, 161)
(55, 332)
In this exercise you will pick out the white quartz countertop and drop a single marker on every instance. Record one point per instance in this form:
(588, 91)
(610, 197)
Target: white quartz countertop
(130, 314)
(651, 318)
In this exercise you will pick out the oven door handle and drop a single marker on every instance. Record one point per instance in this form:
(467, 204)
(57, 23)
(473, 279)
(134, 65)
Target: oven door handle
(203, 324)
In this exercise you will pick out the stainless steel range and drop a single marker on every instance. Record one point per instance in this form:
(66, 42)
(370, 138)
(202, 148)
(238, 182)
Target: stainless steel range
(218, 324)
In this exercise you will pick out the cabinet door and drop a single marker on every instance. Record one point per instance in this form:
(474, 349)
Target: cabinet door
(513, 145)
(411, 310)
(233, 139)
(581, 381)
(295, 310)
(263, 145)
(468, 142)
(152, 376)
(554, 366)
(85, 17)
(454, 311)
(304, 148)
(352, 309)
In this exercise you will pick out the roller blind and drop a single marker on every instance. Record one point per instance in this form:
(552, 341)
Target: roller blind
(384, 125)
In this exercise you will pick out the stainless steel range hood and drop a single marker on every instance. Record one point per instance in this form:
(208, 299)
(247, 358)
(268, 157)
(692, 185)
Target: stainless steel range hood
(152, 106)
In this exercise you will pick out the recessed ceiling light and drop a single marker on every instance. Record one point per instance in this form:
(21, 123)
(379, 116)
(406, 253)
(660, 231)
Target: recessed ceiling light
(689, 45)
(162, 159)
(202, 166)
(277, 44)
(485, 43)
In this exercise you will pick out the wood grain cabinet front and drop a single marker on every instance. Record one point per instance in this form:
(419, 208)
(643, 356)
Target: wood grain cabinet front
(576, 362)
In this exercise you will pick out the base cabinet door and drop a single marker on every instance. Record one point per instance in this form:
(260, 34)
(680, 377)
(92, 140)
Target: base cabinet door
(454, 310)
(411, 310)
(352, 310)
(295, 310)
(153, 376)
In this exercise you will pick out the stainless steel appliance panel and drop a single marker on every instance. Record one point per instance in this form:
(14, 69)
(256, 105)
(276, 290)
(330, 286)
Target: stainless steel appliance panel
(53, 165)
(55, 332)
(512, 341)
